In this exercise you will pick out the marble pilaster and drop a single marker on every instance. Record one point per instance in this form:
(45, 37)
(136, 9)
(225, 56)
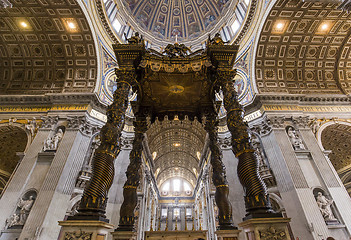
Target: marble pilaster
(57, 187)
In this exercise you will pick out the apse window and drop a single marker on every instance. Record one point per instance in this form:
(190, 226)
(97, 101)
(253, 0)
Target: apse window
(165, 187)
(116, 25)
(176, 185)
(164, 212)
(188, 212)
(187, 187)
(176, 212)
(235, 26)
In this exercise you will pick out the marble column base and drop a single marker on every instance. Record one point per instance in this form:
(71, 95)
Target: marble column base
(179, 235)
(124, 235)
(84, 229)
(228, 234)
(266, 228)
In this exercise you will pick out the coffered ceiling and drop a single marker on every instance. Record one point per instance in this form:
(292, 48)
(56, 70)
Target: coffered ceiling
(46, 46)
(304, 47)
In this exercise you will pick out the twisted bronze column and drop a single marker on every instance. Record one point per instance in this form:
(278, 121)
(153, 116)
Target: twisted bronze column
(94, 199)
(219, 175)
(256, 199)
(126, 220)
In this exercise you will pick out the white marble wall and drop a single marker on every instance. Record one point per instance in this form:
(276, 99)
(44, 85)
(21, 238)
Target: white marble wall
(16, 187)
(297, 173)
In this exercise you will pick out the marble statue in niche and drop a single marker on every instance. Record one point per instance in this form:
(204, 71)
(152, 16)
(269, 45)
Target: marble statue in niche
(295, 139)
(324, 205)
(24, 207)
(51, 143)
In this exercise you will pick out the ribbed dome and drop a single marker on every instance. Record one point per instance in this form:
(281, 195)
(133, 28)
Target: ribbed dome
(160, 21)
(186, 18)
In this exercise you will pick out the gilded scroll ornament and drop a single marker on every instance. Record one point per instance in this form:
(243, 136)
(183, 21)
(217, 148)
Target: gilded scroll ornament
(272, 233)
(78, 235)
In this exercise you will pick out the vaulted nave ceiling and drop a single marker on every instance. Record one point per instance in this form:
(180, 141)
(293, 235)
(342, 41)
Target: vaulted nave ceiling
(304, 48)
(176, 147)
(46, 46)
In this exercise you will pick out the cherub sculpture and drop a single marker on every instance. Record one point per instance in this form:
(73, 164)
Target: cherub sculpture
(176, 49)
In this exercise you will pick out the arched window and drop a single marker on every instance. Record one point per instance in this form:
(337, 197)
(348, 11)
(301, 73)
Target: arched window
(176, 187)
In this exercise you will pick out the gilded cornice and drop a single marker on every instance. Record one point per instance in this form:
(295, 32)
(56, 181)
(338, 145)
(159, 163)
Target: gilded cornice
(247, 23)
(105, 21)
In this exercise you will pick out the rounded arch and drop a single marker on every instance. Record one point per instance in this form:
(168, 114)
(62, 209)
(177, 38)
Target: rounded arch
(13, 139)
(336, 136)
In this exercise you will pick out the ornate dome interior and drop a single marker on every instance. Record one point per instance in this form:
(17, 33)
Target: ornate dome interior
(191, 21)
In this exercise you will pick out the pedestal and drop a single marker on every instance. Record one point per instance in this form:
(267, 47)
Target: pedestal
(80, 229)
(228, 234)
(176, 235)
(266, 228)
(124, 235)
(10, 234)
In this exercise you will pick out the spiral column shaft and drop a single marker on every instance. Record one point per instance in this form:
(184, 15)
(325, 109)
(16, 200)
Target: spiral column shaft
(94, 199)
(126, 221)
(256, 197)
(219, 176)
